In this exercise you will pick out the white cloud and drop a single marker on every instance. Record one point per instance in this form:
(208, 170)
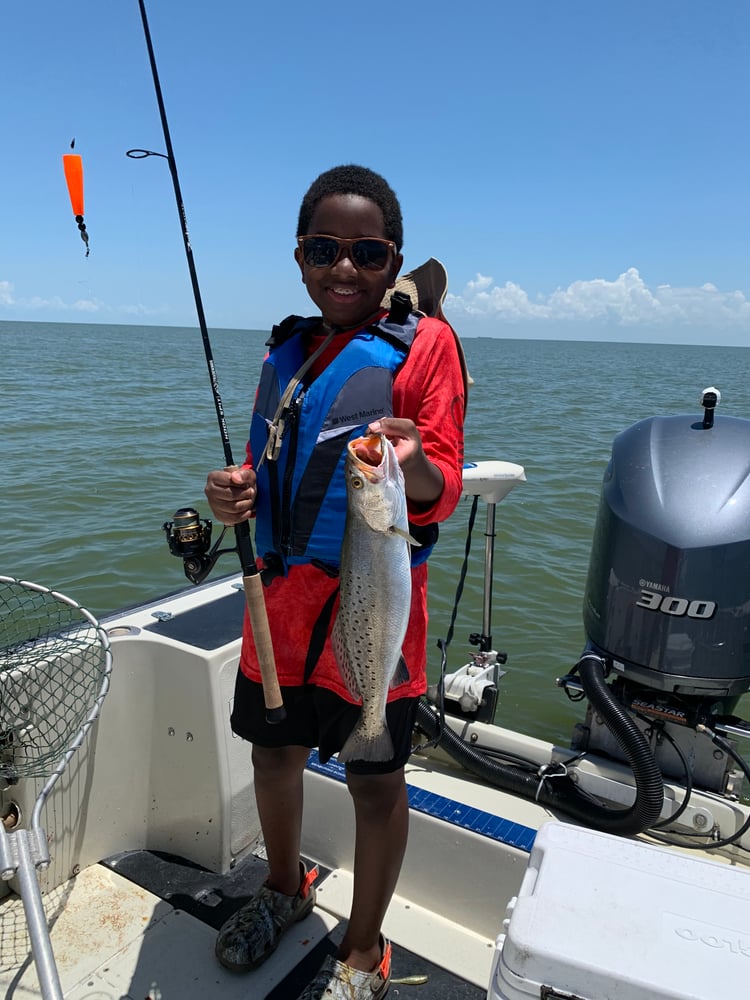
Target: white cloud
(36, 302)
(55, 304)
(588, 305)
(626, 301)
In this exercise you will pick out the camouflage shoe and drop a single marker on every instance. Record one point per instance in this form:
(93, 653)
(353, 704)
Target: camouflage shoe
(251, 934)
(337, 981)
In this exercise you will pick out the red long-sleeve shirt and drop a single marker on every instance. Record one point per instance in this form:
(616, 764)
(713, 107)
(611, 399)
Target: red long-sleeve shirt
(429, 390)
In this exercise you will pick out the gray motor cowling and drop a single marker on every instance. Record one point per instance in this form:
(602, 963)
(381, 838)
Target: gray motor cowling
(668, 592)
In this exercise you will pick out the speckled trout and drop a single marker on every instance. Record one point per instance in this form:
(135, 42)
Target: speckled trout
(375, 580)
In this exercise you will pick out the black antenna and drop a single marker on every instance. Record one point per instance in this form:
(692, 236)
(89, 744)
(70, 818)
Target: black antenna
(170, 158)
(251, 577)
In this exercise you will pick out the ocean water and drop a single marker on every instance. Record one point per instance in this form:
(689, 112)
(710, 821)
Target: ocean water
(107, 430)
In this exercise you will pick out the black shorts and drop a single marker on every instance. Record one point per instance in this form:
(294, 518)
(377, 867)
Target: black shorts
(317, 717)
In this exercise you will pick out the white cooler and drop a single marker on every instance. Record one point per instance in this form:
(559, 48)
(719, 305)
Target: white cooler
(600, 917)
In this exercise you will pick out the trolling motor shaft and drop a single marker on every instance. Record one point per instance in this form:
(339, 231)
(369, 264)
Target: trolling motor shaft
(473, 688)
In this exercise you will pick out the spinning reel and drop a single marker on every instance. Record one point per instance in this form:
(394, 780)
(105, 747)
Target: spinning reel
(189, 538)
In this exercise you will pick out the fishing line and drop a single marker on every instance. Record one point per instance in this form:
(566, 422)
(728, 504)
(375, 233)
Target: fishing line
(251, 577)
(443, 644)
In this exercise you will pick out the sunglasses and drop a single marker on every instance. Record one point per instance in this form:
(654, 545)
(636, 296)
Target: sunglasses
(367, 254)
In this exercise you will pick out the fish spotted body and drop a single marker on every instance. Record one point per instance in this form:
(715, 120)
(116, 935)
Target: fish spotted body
(375, 601)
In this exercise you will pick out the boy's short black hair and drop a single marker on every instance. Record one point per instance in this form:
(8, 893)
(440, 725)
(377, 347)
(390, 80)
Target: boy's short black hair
(352, 179)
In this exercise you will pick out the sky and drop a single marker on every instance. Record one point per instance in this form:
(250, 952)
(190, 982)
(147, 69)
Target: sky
(581, 167)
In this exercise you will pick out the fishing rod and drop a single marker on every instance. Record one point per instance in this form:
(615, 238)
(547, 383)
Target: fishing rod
(189, 528)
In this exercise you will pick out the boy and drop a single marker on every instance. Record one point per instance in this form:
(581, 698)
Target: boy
(341, 371)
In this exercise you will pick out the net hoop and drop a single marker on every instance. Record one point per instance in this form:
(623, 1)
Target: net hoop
(55, 668)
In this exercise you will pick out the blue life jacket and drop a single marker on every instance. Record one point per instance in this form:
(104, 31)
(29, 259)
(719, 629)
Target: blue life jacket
(301, 500)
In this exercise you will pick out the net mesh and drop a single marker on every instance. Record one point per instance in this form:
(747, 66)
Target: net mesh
(54, 663)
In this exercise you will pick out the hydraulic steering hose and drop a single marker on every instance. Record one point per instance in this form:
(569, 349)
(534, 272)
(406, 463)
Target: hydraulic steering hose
(561, 793)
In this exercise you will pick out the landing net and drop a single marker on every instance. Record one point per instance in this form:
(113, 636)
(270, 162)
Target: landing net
(55, 664)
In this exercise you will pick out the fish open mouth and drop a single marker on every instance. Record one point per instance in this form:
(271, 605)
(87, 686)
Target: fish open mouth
(367, 450)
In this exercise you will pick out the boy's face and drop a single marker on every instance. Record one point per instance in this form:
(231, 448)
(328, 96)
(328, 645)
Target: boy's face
(347, 295)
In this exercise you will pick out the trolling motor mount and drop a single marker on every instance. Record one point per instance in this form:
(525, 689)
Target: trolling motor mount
(471, 692)
(189, 538)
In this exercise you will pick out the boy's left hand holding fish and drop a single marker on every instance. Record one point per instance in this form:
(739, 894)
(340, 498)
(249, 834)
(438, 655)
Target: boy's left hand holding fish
(423, 480)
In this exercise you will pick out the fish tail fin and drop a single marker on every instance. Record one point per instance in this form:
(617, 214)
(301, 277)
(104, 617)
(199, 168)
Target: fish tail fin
(360, 746)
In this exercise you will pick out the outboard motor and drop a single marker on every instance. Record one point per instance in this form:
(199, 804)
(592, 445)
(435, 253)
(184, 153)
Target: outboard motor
(667, 601)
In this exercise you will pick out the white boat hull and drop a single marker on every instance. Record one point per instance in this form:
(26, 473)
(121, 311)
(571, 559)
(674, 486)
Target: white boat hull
(162, 778)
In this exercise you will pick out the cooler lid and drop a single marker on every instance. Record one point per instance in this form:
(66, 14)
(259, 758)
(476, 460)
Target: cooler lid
(602, 916)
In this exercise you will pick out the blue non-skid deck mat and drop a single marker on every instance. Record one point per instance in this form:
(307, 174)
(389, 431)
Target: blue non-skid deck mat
(487, 824)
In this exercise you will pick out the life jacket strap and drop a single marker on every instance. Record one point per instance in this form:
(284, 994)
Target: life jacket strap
(277, 425)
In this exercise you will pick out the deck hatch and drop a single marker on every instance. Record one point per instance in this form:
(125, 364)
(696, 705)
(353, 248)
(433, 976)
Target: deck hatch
(207, 626)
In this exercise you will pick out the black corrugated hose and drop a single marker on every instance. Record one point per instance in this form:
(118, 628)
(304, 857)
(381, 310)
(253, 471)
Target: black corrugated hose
(558, 791)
